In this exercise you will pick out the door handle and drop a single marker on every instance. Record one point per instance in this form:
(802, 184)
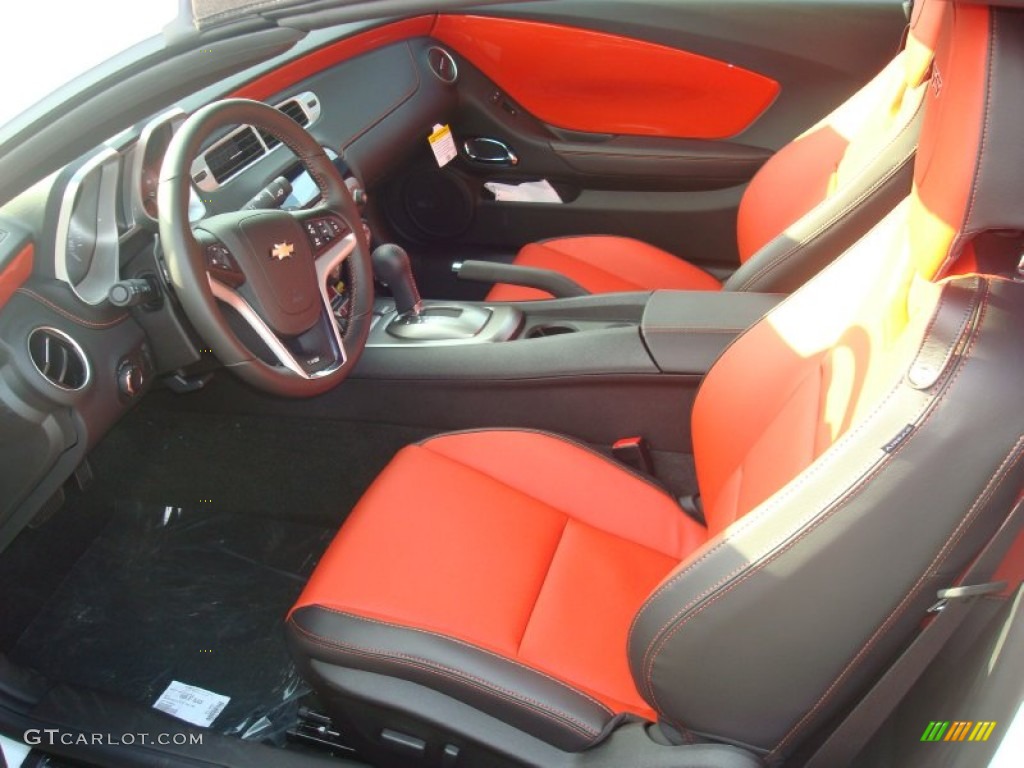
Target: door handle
(482, 149)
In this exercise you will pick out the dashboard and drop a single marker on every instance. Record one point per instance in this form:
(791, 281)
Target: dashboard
(71, 361)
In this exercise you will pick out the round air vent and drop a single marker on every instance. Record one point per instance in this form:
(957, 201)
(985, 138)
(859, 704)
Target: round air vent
(442, 65)
(58, 358)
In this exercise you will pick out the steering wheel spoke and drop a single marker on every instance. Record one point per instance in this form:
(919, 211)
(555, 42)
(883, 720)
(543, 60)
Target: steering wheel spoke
(278, 271)
(319, 351)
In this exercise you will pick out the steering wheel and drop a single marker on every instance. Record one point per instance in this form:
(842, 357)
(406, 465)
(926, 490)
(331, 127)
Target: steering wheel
(269, 266)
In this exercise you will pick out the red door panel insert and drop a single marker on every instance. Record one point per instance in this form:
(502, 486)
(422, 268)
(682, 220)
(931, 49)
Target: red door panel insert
(591, 81)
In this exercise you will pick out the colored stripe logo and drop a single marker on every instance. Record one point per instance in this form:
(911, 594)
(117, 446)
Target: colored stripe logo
(958, 730)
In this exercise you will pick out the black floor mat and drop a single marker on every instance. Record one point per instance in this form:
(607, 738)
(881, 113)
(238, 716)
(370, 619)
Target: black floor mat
(183, 594)
(255, 464)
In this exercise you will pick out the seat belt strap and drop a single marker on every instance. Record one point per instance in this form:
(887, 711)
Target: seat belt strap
(955, 603)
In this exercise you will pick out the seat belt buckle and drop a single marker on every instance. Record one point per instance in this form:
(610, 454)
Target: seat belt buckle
(966, 593)
(634, 452)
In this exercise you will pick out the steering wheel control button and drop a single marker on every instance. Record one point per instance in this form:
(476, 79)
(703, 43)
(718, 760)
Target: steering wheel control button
(323, 231)
(221, 264)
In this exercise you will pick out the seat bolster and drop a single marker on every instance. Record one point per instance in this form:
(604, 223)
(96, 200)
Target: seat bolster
(835, 572)
(527, 699)
(813, 241)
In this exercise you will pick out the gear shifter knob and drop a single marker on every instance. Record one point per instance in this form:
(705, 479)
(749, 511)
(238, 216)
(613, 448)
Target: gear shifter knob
(391, 266)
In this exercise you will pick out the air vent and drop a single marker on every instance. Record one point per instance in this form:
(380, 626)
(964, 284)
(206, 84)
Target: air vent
(442, 65)
(294, 110)
(235, 153)
(58, 358)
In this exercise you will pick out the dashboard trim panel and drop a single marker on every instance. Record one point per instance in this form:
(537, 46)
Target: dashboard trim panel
(104, 266)
(14, 275)
(315, 62)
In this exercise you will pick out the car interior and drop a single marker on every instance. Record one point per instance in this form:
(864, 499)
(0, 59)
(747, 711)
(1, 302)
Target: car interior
(556, 383)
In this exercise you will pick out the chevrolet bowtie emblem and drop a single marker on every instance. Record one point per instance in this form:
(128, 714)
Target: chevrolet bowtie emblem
(282, 251)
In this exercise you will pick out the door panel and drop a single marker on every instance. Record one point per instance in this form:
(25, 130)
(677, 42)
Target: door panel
(603, 83)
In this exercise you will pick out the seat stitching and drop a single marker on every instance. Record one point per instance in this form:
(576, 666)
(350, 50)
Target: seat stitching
(544, 581)
(942, 554)
(746, 572)
(561, 438)
(745, 522)
(967, 227)
(567, 514)
(914, 591)
(993, 21)
(472, 647)
(659, 638)
(846, 210)
(844, 213)
(556, 716)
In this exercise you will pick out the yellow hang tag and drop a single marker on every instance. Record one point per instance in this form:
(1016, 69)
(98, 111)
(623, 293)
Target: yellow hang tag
(442, 143)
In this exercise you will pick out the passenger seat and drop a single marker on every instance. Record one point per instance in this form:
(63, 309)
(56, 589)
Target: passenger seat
(811, 201)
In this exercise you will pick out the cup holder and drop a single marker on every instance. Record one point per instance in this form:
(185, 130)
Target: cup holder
(540, 331)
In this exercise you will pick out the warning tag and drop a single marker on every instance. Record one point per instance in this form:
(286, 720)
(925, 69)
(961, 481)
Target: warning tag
(191, 704)
(443, 145)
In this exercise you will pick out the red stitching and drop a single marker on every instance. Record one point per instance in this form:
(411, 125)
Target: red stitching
(931, 409)
(646, 666)
(458, 676)
(845, 212)
(73, 318)
(471, 647)
(908, 598)
(747, 521)
(955, 536)
(994, 18)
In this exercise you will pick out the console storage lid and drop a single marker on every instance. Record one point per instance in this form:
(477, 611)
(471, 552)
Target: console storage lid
(686, 331)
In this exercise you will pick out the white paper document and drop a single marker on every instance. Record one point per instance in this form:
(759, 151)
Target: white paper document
(527, 192)
(191, 704)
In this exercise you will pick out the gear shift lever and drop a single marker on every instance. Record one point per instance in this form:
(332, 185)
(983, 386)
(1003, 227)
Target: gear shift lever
(391, 265)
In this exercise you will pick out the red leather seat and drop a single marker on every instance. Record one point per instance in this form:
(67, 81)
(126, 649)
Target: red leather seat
(805, 206)
(523, 527)
(511, 598)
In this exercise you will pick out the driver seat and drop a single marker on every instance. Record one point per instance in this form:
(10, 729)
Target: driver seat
(504, 597)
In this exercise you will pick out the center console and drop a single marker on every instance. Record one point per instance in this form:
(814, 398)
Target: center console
(596, 366)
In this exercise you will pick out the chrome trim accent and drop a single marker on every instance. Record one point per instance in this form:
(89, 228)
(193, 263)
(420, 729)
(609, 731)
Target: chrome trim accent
(502, 325)
(104, 270)
(74, 345)
(209, 184)
(510, 157)
(451, 59)
(325, 264)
